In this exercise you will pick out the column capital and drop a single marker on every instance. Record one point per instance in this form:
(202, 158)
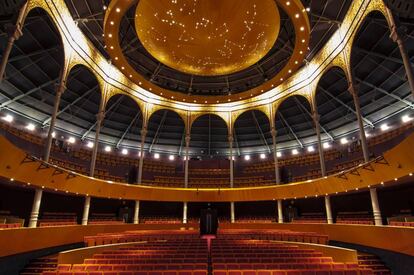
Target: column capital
(14, 31)
(316, 116)
(397, 34)
(187, 138)
(273, 131)
(60, 87)
(352, 88)
(100, 116)
(144, 132)
(230, 138)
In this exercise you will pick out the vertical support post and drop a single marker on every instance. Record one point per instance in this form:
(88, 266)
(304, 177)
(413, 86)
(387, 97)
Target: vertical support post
(99, 118)
(232, 214)
(61, 86)
(375, 206)
(14, 33)
(316, 117)
(363, 138)
(187, 145)
(141, 156)
(86, 207)
(231, 139)
(328, 210)
(398, 37)
(136, 213)
(34, 215)
(279, 211)
(185, 212)
(276, 161)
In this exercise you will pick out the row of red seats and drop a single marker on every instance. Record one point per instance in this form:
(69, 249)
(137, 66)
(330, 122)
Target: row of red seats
(141, 272)
(397, 223)
(294, 272)
(10, 225)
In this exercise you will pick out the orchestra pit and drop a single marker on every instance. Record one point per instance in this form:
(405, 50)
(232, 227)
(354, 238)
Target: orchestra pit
(206, 137)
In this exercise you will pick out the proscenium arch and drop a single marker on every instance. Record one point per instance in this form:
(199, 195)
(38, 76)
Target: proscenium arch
(166, 131)
(288, 131)
(252, 132)
(82, 89)
(201, 143)
(123, 122)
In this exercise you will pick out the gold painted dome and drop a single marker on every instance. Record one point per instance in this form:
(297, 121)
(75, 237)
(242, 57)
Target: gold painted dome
(207, 37)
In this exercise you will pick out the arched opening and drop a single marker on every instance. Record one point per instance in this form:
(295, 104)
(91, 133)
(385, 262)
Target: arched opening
(334, 104)
(209, 137)
(166, 132)
(37, 57)
(295, 132)
(79, 104)
(122, 124)
(379, 73)
(252, 133)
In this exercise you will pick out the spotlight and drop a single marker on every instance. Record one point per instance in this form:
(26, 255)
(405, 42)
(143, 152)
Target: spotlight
(89, 144)
(326, 145)
(124, 151)
(108, 148)
(406, 118)
(53, 134)
(278, 154)
(262, 156)
(30, 127)
(311, 149)
(71, 140)
(171, 157)
(295, 152)
(384, 127)
(8, 118)
(156, 156)
(344, 140)
(246, 157)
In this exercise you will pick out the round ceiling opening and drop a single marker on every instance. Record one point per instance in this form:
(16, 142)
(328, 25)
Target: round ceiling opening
(207, 37)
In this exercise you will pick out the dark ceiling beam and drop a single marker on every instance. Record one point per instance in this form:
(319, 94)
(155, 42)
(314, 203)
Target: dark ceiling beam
(311, 119)
(34, 53)
(160, 125)
(380, 55)
(137, 116)
(404, 101)
(261, 134)
(106, 112)
(367, 121)
(290, 129)
(46, 121)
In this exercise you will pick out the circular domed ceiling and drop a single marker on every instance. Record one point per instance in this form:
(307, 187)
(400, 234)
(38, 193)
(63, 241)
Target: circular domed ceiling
(207, 37)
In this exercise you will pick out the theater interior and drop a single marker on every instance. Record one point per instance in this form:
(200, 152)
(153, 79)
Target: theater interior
(205, 137)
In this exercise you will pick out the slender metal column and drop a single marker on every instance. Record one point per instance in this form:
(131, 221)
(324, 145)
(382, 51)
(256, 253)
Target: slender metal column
(187, 145)
(34, 215)
(279, 211)
(86, 207)
(231, 139)
(316, 116)
(232, 214)
(328, 210)
(375, 206)
(141, 156)
(185, 212)
(136, 213)
(59, 91)
(276, 161)
(362, 136)
(99, 118)
(14, 33)
(398, 37)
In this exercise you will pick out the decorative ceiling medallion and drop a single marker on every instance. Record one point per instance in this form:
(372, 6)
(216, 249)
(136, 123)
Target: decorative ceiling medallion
(293, 8)
(207, 37)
